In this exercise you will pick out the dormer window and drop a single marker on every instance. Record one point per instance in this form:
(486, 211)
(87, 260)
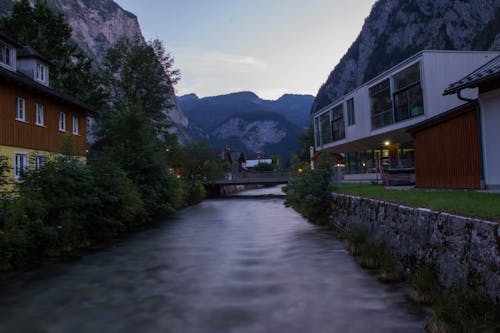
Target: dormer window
(5, 54)
(41, 72)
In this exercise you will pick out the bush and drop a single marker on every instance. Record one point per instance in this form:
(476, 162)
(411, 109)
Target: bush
(309, 193)
(464, 310)
(423, 286)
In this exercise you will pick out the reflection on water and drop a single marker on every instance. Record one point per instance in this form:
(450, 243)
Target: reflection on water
(248, 265)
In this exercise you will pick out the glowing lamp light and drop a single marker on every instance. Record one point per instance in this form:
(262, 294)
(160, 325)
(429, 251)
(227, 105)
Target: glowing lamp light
(178, 176)
(167, 150)
(387, 143)
(300, 170)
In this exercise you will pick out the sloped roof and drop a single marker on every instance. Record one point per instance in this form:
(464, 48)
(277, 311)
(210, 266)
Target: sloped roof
(24, 80)
(487, 72)
(29, 52)
(9, 40)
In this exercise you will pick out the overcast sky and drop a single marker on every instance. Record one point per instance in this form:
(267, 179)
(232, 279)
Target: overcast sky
(270, 47)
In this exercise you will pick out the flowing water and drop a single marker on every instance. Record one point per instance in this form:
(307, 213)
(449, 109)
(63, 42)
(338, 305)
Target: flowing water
(227, 265)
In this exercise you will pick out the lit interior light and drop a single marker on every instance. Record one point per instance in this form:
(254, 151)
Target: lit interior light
(387, 143)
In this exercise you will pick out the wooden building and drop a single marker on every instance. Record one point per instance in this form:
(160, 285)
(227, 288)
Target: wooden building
(35, 119)
(448, 151)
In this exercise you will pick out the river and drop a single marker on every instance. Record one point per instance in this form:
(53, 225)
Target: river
(227, 265)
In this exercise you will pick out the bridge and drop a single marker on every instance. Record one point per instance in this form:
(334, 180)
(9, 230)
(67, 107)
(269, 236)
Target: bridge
(217, 187)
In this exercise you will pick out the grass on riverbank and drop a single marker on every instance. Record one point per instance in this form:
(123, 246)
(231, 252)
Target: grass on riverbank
(468, 203)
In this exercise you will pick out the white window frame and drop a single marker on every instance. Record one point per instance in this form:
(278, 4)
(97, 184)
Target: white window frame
(40, 161)
(41, 72)
(6, 56)
(20, 109)
(62, 121)
(75, 125)
(39, 114)
(18, 169)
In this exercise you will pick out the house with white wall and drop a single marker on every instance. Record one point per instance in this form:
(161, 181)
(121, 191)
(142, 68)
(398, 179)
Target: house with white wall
(369, 125)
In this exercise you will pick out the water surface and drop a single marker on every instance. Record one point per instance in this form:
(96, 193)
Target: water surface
(228, 265)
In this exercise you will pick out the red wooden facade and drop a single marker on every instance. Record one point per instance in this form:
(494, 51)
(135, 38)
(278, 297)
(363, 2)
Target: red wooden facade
(29, 135)
(447, 150)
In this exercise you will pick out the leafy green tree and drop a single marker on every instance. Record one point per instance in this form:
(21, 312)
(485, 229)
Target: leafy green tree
(139, 74)
(49, 34)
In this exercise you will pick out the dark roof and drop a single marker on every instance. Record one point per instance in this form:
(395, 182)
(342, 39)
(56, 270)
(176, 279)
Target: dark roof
(487, 72)
(29, 52)
(24, 80)
(442, 117)
(9, 40)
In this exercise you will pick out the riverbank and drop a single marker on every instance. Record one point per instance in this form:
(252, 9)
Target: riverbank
(405, 243)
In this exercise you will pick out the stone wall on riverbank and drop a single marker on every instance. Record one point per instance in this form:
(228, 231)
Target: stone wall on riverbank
(461, 249)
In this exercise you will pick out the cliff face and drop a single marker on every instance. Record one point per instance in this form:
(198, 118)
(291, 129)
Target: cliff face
(396, 29)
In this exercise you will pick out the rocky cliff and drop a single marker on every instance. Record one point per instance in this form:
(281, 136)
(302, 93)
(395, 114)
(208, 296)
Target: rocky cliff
(257, 131)
(396, 29)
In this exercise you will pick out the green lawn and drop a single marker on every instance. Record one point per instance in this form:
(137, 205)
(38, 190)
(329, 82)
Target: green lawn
(469, 203)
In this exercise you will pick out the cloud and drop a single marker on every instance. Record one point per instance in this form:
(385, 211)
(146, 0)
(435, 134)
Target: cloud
(203, 61)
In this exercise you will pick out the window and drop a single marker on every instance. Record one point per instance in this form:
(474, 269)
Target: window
(20, 109)
(5, 54)
(39, 114)
(75, 125)
(40, 161)
(20, 164)
(350, 112)
(62, 121)
(317, 137)
(381, 104)
(41, 72)
(326, 130)
(338, 126)
(408, 101)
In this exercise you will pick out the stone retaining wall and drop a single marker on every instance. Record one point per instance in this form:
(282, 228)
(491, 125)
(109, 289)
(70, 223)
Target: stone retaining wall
(461, 249)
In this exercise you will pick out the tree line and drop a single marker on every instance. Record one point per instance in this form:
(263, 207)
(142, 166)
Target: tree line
(136, 171)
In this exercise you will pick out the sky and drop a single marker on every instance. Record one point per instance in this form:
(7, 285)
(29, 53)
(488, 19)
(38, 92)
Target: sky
(270, 47)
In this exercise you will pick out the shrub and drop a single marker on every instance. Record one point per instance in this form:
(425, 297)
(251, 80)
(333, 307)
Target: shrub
(465, 310)
(423, 286)
(309, 193)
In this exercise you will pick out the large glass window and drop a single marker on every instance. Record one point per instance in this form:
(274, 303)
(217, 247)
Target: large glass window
(338, 126)
(350, 112)
(408, 101)
(326, 130)
(316, 132)
(381, 104)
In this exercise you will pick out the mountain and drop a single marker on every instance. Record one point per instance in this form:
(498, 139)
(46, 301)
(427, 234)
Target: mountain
(257, 131)
(96, 26)
(251, 124)
(397, 29)
(209, 111)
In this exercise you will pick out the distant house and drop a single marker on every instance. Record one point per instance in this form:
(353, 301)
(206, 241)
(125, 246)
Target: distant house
(259, 158)
(35, 119)
(460, 147)
(369, 125)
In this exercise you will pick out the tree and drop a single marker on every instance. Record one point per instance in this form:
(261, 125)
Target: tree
(49, 34)
(139, 74)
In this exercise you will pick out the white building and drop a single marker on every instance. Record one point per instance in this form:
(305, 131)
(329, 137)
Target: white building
(369, 124)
